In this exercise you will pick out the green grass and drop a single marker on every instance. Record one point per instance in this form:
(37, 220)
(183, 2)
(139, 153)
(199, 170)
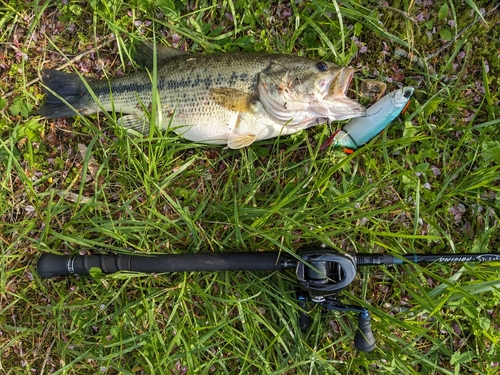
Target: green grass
(429, 184)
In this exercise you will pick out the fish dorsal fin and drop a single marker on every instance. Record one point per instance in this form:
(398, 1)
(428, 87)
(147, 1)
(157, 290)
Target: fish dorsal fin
(236, 141)
(144, 53)
(233, 99)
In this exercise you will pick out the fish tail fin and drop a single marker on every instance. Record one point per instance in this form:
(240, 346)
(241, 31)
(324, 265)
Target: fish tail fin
(66, 86)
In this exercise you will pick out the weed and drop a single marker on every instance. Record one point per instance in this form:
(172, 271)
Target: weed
(81, 185)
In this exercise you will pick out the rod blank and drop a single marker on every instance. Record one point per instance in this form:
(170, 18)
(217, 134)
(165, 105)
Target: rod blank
(381, 259)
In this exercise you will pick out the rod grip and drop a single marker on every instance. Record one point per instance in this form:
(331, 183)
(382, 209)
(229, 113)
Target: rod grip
(51, 265)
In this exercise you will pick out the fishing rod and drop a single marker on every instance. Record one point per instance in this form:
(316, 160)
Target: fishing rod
(321, 272)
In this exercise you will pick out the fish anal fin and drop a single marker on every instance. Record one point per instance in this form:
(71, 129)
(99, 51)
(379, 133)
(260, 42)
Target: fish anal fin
(233, 99)
(236, 141)
(135, 122)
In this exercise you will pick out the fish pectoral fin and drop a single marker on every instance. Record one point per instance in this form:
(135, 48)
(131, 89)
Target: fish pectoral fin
(233, 99)
(135, 122)
(236, 141)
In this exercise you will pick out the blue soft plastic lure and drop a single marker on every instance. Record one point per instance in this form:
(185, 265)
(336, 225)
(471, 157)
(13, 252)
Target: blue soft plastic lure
(361, 130)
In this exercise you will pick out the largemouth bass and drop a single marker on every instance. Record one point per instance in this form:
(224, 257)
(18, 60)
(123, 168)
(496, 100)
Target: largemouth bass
(229, 99)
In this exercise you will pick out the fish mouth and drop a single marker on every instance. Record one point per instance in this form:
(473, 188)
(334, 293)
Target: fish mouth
(340, 106)
(340, 84)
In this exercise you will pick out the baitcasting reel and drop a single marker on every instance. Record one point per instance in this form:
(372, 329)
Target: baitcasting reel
(323, 274)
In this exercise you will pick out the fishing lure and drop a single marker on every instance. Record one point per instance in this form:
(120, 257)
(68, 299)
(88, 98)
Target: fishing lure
(361, 130)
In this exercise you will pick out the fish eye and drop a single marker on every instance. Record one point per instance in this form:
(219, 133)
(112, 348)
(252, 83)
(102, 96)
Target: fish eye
(321, 66)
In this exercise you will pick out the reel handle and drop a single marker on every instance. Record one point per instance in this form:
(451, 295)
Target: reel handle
(304, 318)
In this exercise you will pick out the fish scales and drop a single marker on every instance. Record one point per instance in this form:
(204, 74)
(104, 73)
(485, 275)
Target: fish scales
(183, 87)
(231, 98)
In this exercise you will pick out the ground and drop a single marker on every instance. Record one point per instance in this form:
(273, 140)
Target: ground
(428, 184)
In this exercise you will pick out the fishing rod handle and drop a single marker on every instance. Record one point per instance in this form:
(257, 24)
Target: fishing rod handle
(52, 265)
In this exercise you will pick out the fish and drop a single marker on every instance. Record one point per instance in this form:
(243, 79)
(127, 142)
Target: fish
(359, 131)
(231, 99)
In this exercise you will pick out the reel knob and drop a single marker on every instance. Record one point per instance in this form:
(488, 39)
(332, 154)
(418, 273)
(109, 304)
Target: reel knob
(363, 339)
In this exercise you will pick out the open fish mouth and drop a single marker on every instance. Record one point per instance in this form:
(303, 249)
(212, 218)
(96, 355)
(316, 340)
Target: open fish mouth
(339, 84)
(334, 103)
(341, 107)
